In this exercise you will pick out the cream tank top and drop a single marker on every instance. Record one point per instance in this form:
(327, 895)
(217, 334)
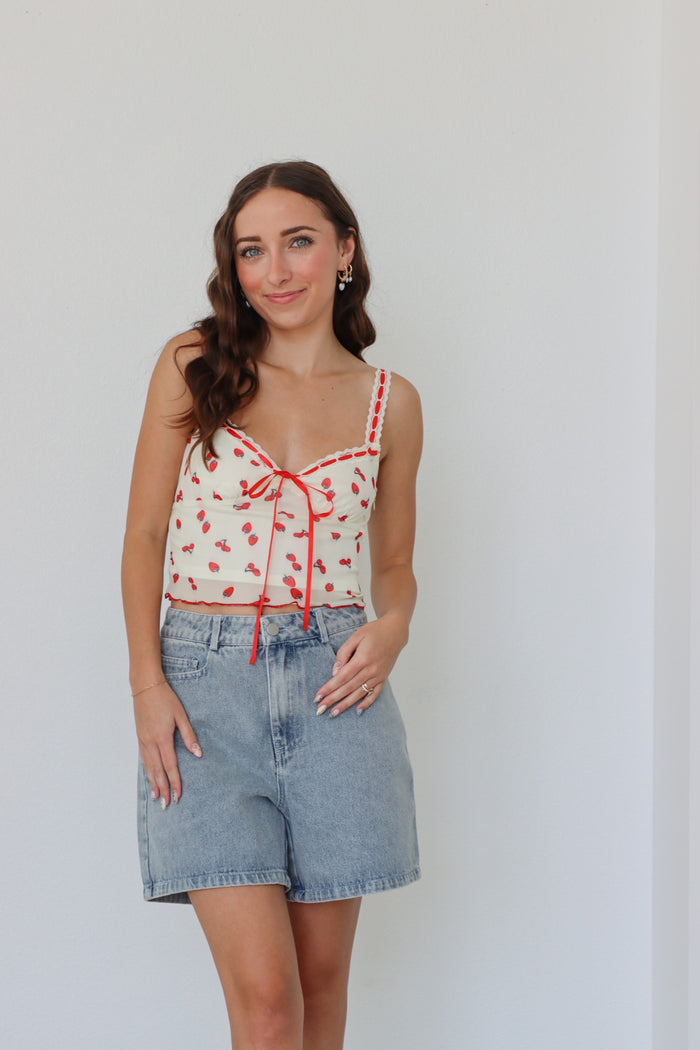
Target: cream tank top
(244, 532)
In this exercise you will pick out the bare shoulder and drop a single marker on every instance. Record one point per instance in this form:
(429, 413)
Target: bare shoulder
(168, 380)
(180, 350)
(403, 393)
(403, 422)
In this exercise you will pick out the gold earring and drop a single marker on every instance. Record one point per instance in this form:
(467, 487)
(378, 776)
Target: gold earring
(345, 277)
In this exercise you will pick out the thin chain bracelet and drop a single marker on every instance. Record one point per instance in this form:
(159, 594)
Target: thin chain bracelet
(151, 686)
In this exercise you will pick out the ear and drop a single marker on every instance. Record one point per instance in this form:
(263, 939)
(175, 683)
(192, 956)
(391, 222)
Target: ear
(347, 248)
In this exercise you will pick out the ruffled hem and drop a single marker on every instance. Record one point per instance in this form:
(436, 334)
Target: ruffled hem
(268, 605)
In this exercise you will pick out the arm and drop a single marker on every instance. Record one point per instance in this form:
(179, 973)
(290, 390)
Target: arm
(159, 451)
(371, 651)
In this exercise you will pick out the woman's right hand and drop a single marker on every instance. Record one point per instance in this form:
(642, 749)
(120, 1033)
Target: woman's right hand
(158, 713)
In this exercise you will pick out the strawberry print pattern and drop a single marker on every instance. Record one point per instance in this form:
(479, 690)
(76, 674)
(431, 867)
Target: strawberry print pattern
(242, 528)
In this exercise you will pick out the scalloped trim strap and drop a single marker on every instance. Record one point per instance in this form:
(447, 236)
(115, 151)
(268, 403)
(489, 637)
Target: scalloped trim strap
(377, 407)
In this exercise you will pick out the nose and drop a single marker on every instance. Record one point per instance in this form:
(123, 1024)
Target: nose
(278, 270)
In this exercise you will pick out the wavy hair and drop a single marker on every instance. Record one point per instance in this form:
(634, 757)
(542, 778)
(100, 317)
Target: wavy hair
(225, 376)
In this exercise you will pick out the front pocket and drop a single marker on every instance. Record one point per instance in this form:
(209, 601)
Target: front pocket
(336, 640)
(182, 659)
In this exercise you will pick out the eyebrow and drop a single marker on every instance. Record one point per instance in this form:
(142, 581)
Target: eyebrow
(283, 233)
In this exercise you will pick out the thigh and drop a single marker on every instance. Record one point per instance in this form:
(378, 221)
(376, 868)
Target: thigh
(324, 934)
(251, 941)
(250, 936)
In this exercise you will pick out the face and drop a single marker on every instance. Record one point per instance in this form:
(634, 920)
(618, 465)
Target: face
(287, 258)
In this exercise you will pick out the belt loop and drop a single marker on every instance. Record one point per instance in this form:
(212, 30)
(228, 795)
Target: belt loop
(322, 630)
(215, 632)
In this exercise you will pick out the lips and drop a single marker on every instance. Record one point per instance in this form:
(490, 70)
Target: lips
(288, 297)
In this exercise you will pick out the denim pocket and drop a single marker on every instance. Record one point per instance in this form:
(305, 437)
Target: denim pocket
(336, 640)
(183, 659)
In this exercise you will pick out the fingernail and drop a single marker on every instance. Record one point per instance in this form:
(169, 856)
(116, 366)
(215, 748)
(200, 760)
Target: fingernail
(334, 714)
(336, 667)
(196, 750)
(360, 710)
(321, 709)
(319, 696)
(163, 803)
(175, 798)
(153, 795)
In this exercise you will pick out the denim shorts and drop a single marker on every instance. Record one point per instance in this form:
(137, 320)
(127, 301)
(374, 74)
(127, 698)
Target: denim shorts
(322, 805)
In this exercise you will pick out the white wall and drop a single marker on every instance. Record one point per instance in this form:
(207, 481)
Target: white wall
(677, 614)
(503, 159)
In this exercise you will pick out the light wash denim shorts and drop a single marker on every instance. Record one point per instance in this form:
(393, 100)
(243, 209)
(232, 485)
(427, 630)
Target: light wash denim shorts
(322, 805)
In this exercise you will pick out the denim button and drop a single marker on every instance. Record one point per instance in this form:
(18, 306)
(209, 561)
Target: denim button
(273, 628)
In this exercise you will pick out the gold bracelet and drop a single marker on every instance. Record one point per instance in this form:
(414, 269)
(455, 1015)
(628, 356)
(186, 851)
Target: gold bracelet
(151, 686)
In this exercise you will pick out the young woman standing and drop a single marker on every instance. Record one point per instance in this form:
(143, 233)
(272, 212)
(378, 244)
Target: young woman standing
(275, 787)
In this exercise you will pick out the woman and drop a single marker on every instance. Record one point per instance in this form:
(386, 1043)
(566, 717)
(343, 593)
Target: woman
(271, 821)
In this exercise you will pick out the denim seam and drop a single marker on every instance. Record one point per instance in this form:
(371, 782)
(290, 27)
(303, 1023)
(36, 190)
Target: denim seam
(227, 873)
(345, 630)
(290, 643)
(144, 824)
(278, 780)
(180, 883)
(358, 888)
(185, 663)
(322, 627)
(184, 676)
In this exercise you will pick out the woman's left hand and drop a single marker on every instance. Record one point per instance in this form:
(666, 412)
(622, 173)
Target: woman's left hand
(366, 658)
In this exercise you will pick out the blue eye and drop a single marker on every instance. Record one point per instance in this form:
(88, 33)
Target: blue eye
(245, 252)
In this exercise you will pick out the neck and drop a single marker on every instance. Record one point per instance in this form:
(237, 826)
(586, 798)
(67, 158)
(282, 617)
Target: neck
(309, 350)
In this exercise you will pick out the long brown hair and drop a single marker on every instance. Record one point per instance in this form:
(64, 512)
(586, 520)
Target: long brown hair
(225, 376)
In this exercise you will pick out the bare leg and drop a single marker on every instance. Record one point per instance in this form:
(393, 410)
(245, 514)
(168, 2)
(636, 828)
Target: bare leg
(324, 935)
(251, 941)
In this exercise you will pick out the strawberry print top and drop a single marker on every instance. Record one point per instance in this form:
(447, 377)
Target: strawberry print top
(244, 532)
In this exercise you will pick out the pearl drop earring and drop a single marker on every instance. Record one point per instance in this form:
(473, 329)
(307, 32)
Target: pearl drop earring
(345, 277)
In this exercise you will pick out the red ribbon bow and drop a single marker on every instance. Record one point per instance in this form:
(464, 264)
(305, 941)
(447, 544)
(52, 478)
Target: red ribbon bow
(258, 489)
